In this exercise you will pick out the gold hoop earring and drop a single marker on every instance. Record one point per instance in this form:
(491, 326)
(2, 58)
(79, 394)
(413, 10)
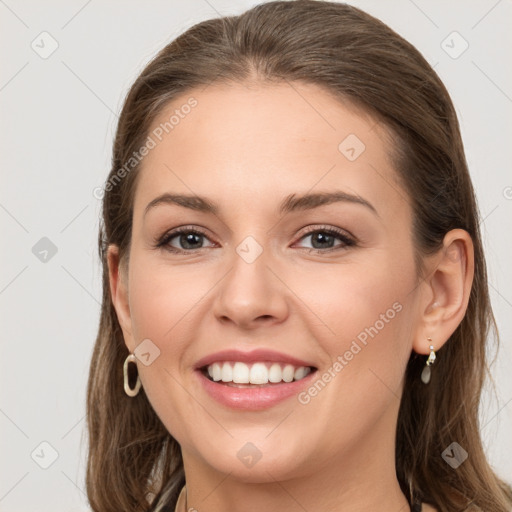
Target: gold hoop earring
(127, 389)
(426, 373)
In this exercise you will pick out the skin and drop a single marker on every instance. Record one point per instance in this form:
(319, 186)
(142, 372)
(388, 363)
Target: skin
(247, 147)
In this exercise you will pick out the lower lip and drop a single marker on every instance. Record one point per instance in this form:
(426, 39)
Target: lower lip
(256, 398)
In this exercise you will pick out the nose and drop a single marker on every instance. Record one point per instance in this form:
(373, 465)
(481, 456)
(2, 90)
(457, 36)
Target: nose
(251, 295)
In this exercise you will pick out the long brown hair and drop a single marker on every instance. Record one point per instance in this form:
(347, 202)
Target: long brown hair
(132, 458)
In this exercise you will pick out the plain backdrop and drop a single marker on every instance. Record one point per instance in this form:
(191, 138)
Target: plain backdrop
(66, 67)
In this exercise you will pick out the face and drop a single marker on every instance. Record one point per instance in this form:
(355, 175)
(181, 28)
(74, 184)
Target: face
(268, 284)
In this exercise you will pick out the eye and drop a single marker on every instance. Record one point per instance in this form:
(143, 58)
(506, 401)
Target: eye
(183, 239)
(323, 239)
(187, 240)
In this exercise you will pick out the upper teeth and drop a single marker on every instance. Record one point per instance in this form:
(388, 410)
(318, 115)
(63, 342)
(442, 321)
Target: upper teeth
(257, 373)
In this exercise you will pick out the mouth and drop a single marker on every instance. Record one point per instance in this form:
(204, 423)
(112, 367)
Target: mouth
(253, 380)
(258, 374)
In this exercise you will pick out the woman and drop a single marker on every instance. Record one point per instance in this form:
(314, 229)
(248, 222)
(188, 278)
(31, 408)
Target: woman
(295, 302)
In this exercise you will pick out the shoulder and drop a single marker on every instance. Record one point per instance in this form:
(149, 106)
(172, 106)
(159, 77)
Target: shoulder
(427, 508)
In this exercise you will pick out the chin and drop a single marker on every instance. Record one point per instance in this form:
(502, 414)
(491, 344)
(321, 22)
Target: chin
(248, 464)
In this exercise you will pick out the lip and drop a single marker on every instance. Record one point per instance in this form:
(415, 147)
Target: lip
(257, 398)
(253, 356)
(253, 399)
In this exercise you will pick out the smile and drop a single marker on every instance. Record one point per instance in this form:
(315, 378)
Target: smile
(258, 373)
(257, 391)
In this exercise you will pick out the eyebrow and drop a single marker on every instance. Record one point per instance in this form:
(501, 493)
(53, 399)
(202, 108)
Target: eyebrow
(290, 204)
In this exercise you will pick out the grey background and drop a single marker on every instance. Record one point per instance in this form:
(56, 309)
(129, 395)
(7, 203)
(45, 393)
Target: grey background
(58, 116)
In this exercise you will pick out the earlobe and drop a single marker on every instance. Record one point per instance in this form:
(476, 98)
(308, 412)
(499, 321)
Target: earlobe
(119, 291)
(446, 291)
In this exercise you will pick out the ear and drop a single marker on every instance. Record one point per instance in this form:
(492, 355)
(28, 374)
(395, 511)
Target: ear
(118, 278)
(445, 291)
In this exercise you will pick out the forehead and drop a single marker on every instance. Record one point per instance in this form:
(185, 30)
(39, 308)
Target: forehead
(250, 145)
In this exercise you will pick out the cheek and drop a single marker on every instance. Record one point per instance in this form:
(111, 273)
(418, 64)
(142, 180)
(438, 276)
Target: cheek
(162, 307)
(162, 301)
(369, 313)
(360, 301)
(367, 316)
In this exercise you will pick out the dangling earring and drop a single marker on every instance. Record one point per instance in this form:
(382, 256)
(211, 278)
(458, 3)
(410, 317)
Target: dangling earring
(127, 389)
(425, 374)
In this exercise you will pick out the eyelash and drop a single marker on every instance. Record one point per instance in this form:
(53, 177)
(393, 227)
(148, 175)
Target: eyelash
(347, 241)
